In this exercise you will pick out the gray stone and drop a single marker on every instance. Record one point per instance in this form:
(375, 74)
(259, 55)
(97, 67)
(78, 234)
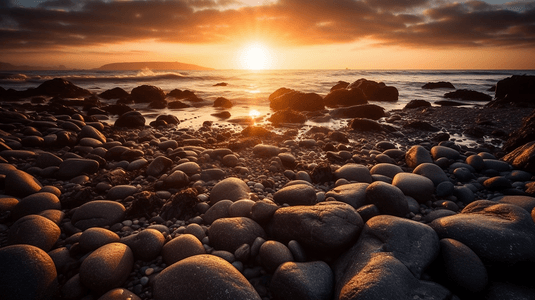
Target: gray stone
(303, 280)
(526, 202)
(34, 230)
(389, 199)
(273, 254)
(442, 151)
(217, 211)
(497, 165)
(231, 233)
(190, 168)
(324, 227)
(431, 171)
(121, 191)
(178, 179)
(47, 159)
(266, 150)
(386, 169)
(96, 237)
(98, 213)
(296, 194)
(263, 210)
(417, 186)
(231, 188)
(107, 267)
(34, 204)
(353, 194)
(181, 247)
(417, 155)
(27, 272)
(91, 132)
(445, 189)
(476, 162)
(354, 172)
(158, 166)
(464, 194)
(73, 167)
(241, 208)
(188, 278)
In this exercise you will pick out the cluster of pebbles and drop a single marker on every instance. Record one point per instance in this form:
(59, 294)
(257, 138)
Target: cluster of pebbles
(97, 211)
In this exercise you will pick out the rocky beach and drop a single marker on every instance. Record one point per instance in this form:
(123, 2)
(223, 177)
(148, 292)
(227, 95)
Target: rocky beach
(102, 201)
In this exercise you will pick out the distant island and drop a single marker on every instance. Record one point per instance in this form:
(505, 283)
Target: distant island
(10, 67)
(133, 66)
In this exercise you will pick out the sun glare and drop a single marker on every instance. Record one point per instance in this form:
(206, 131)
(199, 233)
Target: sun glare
(255, 57)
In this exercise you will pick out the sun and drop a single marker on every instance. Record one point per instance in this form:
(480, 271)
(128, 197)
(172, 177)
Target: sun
(255, 57)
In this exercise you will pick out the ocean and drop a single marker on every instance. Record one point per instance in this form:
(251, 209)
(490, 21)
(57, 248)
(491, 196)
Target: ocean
(249, 90)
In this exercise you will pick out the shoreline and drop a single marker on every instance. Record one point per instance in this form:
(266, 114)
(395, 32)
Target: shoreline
(160, 202)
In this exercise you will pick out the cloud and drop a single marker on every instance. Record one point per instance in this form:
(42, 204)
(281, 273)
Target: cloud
(415, 23)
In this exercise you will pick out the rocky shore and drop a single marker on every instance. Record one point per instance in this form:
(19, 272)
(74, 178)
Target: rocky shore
(426, 202)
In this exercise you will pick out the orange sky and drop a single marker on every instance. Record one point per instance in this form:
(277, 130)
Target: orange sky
(292, 34)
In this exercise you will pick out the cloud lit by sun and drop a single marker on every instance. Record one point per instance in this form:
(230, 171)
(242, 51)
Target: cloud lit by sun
(255, 56)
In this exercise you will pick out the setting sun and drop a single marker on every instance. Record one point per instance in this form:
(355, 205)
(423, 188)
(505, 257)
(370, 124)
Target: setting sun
(255, 57)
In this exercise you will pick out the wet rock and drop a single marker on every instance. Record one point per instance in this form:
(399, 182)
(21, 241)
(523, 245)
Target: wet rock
(34, 230)
(417, 155)
(387, 198)
(325, 227)
(147, 94)
(375, 90)
(517, 90)
(464, 94)
(284, 98)
(522, 157)
(431, 171)
(98, 213)
(421, 125)
(296, 194)
(187, 279)
(368, 111)
(303, 280)
(59, 87)
(27, 272)
(498, 233)
(115, 93)
(345, 97)
(417, 186)
(230, 233)
(361, 124)
(438, 85)
(131, 119)
(231, 188)
(107, 267)
(417, 104)
(181, 247)
(287, 116)
(388, 261)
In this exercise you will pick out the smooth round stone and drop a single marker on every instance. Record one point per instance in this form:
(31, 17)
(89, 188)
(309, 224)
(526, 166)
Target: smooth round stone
(94, 238)
(51, 189)
(354, 172)
(212, 174)
(230, 160)
(386, 169)
(389, 199)
(119, 294)
(91, 132)
(263, 210)
(442, 151)
(243, 253)
(383, 158)
(431, 171)
(231, 188)
(8, 204)
(230, 233)
(190, 168)
(273, 254)
(463, 174)
(90, 142)
(497, 165)
(121, 191)
(266, 150)
(353, 194)
(526, 202)
(296, 194)
(303, 280)
(196, 230)
(158, 166)
(73, 167)
(241, 208)
(497, 183)
(417, 155)
(98, 213)
(519, 175)
(464, 194)
(19, 154)
(298, 252)
(444, 189)
(62, 259)
(27, 272)
(47, 159)
(107, 267)
(170, 144)
(181, 247)
(177, 179)
(137, 164)
(217, 211)
(21, 184)
(34, 204)
(34, 230)
(417, 186)
(224, 255)
(188, 278)
(476, 162)
(287, 159)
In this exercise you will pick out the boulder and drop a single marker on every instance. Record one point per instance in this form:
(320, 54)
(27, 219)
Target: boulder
(522, 157)
(188, 278)
(284, 98)
(181, 247)
(107, 268)
(296, 194)
(517, 90)
(345, 97)
(431, 171)
(416, 186)
(287, 116)
(222, 102)
(93, 238)
(131, 119)
(158, 166)
(499, 233)
(21, 184)
(73, 167)
(115, 93)
(231, 188)
(464, 94)
(98, 213)
(361, 124)
(377, 91)
(417, 155)
(34, 204)
(147, 94)
(354, 172)
(145, 245)
(389, 199)
(326, 227)
(417, 104)
(368, 111)
(59, 87)
(231, 233)
(27, 272)
(34, 230)
(273, 254)
(266, 150)
(353, 194)
(438, 85)
(303, 280)
(387, 262)
(119, 294)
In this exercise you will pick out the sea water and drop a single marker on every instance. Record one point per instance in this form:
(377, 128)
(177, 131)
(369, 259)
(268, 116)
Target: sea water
(249, 90)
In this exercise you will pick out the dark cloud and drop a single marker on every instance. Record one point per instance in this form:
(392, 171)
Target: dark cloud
(414, 23)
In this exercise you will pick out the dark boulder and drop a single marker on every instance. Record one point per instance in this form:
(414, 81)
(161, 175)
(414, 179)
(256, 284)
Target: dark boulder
(284, 98)
(115, 93)
(361, 124)
(368, 111)
(522, 157)
(517, 90)
(117, 109)
(131, 119)
(58, 87)
(377, 91)
(421, 125)
(147, 94)
(222, 102)
(287, 116)
(469, 95)
(417, 104)
(438, 85)
(185, 94)
(450, 103)
(345, 97)
(340, 85)
(523, 135)
(177, 104)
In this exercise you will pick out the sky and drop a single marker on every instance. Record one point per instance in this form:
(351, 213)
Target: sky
(274, 34)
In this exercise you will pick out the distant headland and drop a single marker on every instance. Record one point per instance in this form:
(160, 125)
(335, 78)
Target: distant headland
(132, 66)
